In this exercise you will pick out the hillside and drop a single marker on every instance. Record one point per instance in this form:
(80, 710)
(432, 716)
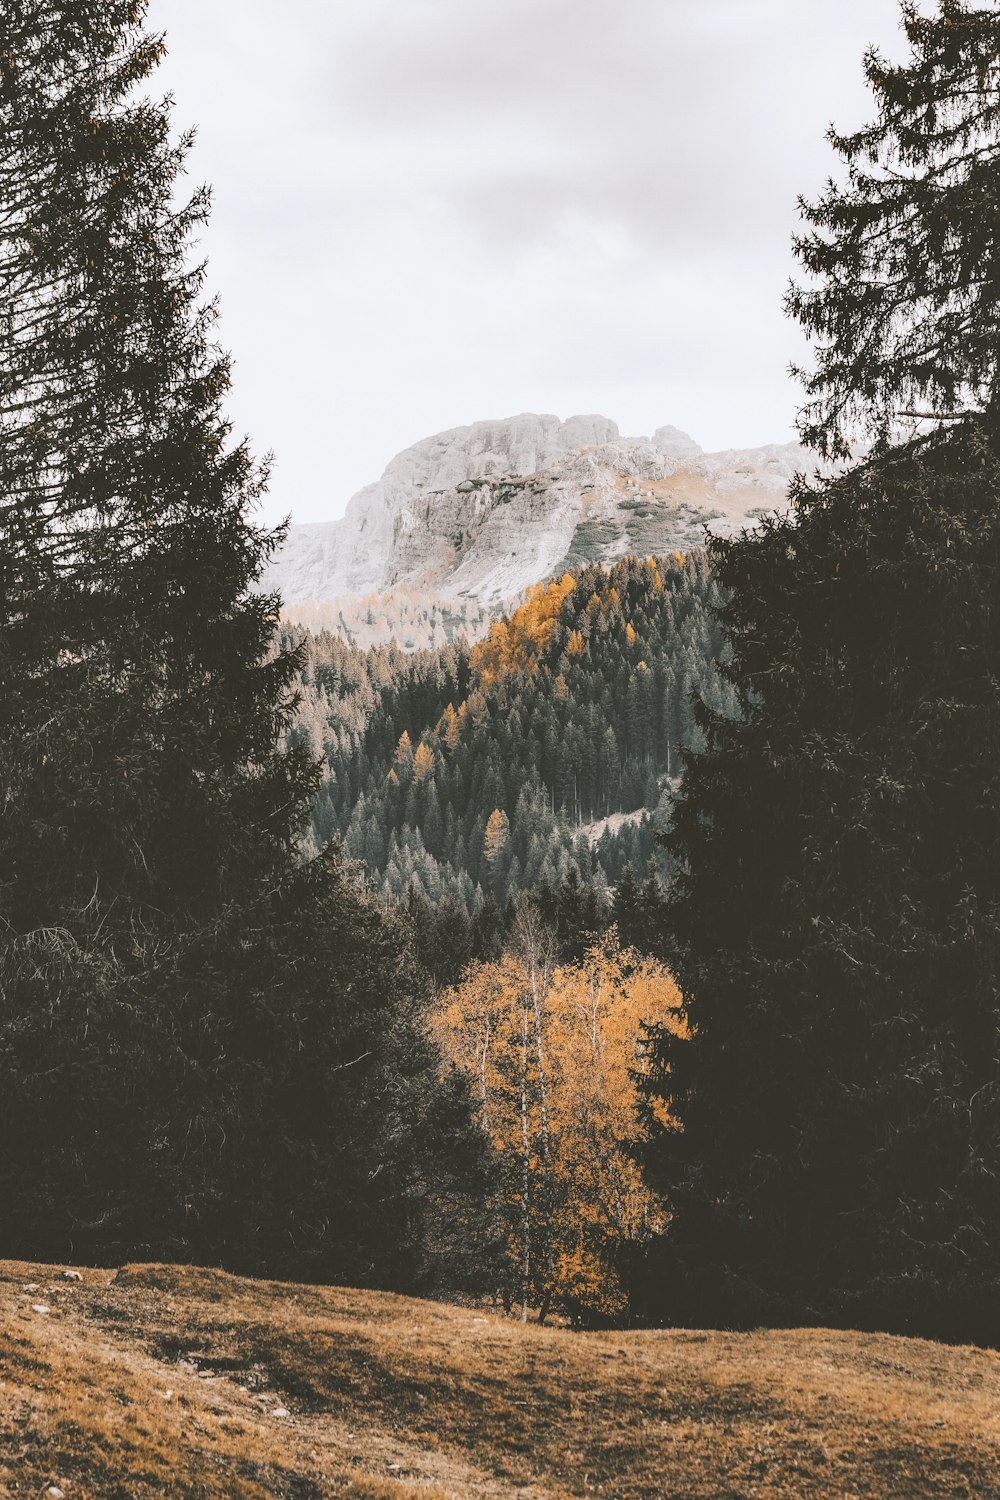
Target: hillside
(473, 516)
(167, 1381)
(570, 713)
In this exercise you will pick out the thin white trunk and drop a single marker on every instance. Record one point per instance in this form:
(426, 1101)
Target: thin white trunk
(539, 984)
(525, 1172)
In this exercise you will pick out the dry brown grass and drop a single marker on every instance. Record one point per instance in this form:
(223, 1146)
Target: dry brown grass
(162, 1381)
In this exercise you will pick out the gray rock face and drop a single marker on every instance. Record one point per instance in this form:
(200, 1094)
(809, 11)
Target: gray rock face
(481, 512)
(675, 444)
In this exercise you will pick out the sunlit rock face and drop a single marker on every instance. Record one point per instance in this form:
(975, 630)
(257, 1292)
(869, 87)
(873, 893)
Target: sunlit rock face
(481, 512)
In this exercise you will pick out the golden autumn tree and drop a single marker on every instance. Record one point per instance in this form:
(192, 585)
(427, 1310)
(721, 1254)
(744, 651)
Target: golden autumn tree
(450, 727)
(483, 1028)
(514, 645)
(423, 763)
(497, 835)
(599, 1008)
(552, 1054)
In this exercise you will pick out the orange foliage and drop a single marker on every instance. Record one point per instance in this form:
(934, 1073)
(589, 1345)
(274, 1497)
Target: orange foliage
(497, 834)
(450, 727)
(514, 645)
(423, 763)
(552, 1054)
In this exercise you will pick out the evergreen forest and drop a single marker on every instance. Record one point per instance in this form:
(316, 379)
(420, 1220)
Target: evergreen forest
(539, 756)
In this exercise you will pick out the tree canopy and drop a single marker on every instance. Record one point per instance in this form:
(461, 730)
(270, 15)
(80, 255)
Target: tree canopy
(833, 1148)
(902, 296)
(208, 1049)
(552, 1052)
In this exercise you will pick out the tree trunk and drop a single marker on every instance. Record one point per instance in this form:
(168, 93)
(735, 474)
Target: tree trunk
(525, 1172)
(539, 983)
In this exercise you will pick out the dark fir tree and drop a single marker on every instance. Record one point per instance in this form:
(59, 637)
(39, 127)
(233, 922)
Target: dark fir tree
(206, 1048)
(141, 695)
(835, 1148)
(627, 909)
(903, 296)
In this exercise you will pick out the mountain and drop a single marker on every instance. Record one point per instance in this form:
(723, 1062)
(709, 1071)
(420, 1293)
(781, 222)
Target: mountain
(478, 513)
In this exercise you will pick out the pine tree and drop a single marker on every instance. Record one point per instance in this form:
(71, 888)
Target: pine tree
(836, 919)
(142, 695)
(627, 910)
(904, 304)
(208, 1048)
(496, 837)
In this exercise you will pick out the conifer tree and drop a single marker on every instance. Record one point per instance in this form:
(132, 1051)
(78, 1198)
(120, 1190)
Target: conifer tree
(836, 920)
(207, 1048)
(142, 696)
(903, 295)
(627, 909)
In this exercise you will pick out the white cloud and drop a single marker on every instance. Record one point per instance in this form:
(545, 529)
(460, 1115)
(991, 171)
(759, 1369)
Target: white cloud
(430, 211)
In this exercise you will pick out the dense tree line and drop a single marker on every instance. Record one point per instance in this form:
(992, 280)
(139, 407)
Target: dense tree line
(208, 1049)
(835, 925)
(473, 774)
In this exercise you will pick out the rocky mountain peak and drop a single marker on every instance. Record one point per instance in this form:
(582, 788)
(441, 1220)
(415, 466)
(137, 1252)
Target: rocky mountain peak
(479, 512)
(675, 444)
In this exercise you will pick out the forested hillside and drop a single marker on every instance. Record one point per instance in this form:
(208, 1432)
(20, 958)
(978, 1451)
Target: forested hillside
(475, 773)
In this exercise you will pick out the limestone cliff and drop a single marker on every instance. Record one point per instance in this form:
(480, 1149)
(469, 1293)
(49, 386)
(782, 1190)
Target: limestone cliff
(480, 512)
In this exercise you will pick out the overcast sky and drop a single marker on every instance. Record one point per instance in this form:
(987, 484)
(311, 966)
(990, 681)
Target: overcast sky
(432, 211)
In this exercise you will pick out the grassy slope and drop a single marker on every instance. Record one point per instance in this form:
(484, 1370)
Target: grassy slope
(164, 1381)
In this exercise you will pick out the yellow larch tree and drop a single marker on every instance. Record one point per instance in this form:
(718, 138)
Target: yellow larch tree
(404, 753)
(496, 836)
(423, 763)
(515, 645)
(450, 727)
(599, 1009)
(553, 1054)
(484, 1027)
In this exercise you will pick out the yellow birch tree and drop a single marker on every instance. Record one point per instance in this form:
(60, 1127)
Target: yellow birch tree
(553, 1054)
